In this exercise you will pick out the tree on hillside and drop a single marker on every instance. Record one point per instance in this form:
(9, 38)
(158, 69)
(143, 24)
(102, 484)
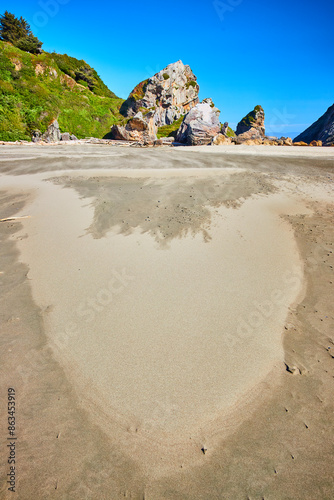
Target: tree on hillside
(18, 32)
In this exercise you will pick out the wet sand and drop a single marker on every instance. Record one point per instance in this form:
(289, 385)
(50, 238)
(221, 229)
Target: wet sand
(173, 311)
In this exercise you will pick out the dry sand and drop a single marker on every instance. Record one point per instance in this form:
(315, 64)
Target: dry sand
(167, 321)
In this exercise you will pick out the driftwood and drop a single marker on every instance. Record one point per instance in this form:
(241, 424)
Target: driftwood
(8, 219)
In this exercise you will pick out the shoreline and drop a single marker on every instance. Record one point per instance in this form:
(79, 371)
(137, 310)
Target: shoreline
(208, 462)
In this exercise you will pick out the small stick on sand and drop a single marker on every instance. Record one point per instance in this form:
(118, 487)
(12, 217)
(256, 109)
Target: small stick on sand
(15, 218)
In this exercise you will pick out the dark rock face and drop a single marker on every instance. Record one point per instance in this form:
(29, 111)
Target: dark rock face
(200, 125)
(321, 130)
(252, 125)
(224, 129)
(65, 137)
(169, 94)
(53, 132)
(119, 133)
(36, 136)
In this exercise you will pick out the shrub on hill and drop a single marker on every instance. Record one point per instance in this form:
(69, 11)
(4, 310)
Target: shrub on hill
(82, 73)
(18, 32)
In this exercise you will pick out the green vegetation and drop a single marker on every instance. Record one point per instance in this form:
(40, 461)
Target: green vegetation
(82, 73)
(230, 132)
(170, 130)
(145, 111)
(18, 32)
(249, 119)
(166, 76)
(136, 95)
(35, 89)
(139, 91)
(192, 83)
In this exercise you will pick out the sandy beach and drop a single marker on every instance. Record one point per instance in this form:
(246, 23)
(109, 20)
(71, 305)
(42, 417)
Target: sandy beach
(167, 321)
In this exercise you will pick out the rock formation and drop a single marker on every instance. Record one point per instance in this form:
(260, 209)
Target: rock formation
(66, 136)
(200, 125)
(137, 129)
(224, 129)
(226, 136)
(321, 130)
(221, 139)
(251, 126)
(169, 94)
(53, 132)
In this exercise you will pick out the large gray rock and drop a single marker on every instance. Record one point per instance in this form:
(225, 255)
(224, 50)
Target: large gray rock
(321, 130)
(169, 94)
(119, 133)
(251, 127)
(53, 132)
(200, 125)
(65, 136)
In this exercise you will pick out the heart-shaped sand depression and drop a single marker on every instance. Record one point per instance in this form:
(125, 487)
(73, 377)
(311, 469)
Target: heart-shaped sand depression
(164, 294)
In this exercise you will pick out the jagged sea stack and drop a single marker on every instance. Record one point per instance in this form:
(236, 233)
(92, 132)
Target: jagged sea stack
(169, 94)
(321, 130)
(252, 125)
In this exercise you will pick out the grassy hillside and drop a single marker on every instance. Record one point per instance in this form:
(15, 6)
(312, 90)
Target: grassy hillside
(35, 89)
(230, 132)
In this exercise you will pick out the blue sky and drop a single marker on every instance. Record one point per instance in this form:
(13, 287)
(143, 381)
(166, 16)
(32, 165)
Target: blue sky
(244, 52)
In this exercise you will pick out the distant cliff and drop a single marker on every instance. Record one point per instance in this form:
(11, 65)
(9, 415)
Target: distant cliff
(321, 130)
(36, 89)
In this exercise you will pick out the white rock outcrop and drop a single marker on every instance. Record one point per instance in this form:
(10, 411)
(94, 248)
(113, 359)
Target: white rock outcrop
(169, 94)
(200, 125)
